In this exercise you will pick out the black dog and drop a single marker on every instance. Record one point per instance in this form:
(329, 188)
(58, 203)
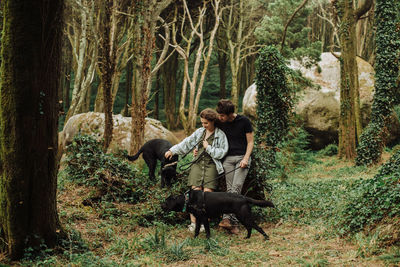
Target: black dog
(155, 149)
(204, 205)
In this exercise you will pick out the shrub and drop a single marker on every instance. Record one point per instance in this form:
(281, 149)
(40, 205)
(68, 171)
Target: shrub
(112, 177)
(293, 152)
(371, 201)
(330, 150)
(274, 103)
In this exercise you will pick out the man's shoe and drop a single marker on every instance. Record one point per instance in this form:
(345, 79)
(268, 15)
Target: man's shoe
(234, 230)
(225, 223)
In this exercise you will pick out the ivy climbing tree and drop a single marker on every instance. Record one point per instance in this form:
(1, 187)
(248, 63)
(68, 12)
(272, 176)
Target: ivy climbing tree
(386, 72)
(274, 103)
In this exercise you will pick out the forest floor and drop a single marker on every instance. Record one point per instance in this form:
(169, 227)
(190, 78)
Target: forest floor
(120, 240)
(111, 235)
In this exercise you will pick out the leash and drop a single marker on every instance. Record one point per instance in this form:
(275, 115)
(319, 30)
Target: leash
(184, 155)
(219, 176)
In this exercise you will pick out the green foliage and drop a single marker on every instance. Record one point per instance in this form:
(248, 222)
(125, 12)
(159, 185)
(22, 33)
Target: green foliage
(157, 242)
(274, 103)
(293, 153)
(297, 43)
(306, 201)
(371, 145)
(329, 150)
(370, 201)
(392, 258)
(386, 74)
(112, 177)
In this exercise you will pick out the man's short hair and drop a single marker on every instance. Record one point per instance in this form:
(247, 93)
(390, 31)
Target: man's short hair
(225, 106)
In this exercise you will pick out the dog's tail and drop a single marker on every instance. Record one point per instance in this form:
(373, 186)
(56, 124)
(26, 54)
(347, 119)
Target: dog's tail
(135, 157)
(260, 203)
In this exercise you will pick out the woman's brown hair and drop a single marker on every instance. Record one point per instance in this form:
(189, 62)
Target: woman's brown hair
(209, 114)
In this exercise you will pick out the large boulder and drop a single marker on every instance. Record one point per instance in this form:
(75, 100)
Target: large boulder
(320, 106)
(92, 123)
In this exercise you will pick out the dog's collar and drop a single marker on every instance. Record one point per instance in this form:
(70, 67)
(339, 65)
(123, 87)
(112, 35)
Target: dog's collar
(186, 194)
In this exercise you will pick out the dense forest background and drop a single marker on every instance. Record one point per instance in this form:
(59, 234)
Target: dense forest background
(312, 30)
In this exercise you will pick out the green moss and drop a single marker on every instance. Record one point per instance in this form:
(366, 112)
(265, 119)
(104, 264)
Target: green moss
(386, 74)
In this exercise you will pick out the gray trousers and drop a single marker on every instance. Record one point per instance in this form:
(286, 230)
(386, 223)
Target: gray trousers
(234, 179)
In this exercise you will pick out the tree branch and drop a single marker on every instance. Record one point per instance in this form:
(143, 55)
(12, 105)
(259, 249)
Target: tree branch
(290, 20)
(364, 8)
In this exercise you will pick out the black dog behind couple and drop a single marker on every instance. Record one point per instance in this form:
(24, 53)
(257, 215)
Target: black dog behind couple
(203, 205)
(154, 150)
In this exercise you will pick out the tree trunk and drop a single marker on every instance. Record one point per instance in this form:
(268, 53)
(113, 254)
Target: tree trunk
(222, 59)
(106, 63)
(128, 78)
(30, 74)
(169, 73)
(349, 122)
(235, 87)
(146, 16)
(348, 82)
(157, 97)
(195, 81)
(82, 32)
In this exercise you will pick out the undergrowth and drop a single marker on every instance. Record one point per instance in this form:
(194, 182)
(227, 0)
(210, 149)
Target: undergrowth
(111, 178)
(370, 201)
(132, 230)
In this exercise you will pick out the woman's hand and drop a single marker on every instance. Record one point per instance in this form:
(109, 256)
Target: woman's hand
(168, 154)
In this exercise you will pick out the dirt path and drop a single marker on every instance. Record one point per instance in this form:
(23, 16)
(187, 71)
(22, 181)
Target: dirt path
(289, 245)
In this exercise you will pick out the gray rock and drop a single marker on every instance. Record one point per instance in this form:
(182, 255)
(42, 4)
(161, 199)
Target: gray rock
(320, 107)
(92, 123)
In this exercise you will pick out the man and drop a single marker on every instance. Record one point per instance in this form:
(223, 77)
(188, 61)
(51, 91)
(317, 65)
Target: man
(240, 136)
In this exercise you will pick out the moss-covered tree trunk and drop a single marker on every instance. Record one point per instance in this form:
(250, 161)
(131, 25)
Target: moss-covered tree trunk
(349, 121)
(274, 105)
(30, 76)
(106, 63)
(386, 77)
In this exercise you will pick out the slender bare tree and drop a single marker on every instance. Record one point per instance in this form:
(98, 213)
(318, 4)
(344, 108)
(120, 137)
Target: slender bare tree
(106, 63)
(121, 24)
(81, 28)
(239, 26)
(201, 58)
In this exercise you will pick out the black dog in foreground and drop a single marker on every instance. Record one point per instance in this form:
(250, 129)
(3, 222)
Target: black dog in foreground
(205, 205)
(154, 150)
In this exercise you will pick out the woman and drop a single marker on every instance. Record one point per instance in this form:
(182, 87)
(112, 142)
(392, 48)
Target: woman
(211, 145)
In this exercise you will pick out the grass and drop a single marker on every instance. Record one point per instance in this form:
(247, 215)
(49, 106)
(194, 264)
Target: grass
(118, 234)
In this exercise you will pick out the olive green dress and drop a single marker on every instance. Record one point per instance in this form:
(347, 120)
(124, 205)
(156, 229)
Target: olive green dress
(203, 172)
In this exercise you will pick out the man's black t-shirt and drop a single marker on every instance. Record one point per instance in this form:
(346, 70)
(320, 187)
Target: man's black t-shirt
(236, 133)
